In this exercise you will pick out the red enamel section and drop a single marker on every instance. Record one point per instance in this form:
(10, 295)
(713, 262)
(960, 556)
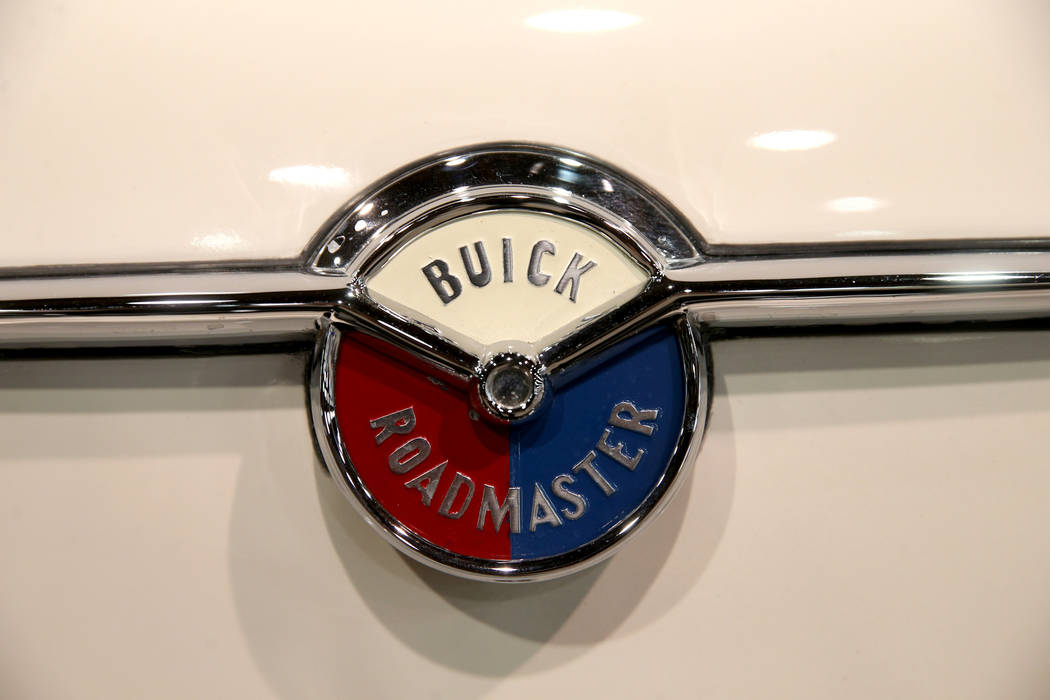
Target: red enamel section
(373, 381)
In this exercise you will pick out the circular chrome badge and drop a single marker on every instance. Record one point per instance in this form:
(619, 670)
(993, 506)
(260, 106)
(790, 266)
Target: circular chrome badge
(498, 395)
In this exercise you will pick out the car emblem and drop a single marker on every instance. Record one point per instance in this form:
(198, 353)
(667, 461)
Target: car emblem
(473, 401)
(510, 374)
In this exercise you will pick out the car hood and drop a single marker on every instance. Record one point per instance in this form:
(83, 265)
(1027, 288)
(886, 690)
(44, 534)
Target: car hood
(148, 132)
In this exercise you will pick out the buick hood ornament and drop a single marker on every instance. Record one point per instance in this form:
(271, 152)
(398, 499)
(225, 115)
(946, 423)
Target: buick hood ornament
(510, 372)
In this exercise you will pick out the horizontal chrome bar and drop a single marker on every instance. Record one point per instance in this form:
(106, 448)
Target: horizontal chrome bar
(867, 289)
(961, 266)
(225, 307)
(164, 309)
(107, 331)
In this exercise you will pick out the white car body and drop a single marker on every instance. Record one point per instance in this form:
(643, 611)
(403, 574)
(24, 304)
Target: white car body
(867, 516)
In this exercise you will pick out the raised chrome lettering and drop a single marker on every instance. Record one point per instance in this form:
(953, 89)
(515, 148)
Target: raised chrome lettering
(447, 285)
(634, 422)
(542, 510)
(396, 423)
(454, 488)
(508, 261)
(481, 277)
(580, 503)
(409, 455)
(587, 465)
(537, 277)
(511, 508)
(616, 451)
(427, 482)
(572, 274)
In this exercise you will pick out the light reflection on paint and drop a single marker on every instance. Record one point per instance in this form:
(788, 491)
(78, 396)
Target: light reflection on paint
(582, 21)
(218, 240)
(866, 235)
(852, 205)
(791, 140)
(317, 176)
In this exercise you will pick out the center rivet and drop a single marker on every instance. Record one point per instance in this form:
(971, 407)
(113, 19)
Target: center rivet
(511, 387)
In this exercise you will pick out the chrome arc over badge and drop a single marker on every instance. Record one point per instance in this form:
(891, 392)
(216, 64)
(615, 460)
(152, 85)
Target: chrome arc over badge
(510, 371)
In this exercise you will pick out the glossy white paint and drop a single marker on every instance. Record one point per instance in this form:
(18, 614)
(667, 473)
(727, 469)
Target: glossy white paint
(193, 131)
(166, 531)
(479, 317)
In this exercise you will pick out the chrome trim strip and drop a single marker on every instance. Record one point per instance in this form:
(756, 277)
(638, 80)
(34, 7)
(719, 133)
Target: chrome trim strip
(150, 268)
(109, 331)
(795, 291)
(164, 309)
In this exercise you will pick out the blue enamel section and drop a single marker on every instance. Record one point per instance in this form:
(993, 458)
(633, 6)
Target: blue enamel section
(646, 372)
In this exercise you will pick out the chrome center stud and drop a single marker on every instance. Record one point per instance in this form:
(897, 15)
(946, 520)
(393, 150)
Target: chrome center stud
(512, 387)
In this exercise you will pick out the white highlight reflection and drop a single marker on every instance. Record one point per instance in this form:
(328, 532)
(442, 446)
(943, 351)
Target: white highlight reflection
(978, 277)
(852, 205)
(791, 140)
(579, 21)
(865, 235)
(220, 240)
(319, 176)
